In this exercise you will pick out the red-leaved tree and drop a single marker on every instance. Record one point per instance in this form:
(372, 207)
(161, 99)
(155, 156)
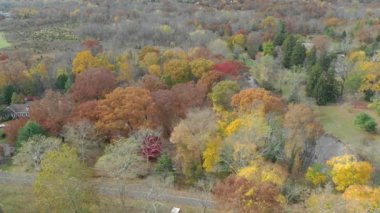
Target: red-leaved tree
(232, 68)
(151, 144)
(12, 128)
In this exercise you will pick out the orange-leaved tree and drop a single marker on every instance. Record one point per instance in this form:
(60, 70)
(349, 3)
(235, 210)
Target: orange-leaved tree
(252, 99)
(125, 110)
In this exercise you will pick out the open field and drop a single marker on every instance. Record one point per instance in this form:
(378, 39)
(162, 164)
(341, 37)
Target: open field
(3, 41)
(338, 120)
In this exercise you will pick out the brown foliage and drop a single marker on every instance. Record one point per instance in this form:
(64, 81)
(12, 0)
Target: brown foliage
(51, 112)
(236, 193)
(12, 128)
(125, 110)
(92, 45)
(92, 84)
(321, 42)
(250, 99)
(151, 83)
(84, 111)
(209, 80)
(174, 103)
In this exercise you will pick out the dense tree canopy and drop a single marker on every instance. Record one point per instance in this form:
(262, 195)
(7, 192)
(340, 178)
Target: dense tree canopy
(125, 110)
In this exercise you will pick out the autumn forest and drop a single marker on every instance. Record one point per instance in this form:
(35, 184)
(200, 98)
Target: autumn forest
(259, 106)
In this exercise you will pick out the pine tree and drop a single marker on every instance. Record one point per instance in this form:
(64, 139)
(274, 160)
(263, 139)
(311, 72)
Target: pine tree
(312, 79)
(325, 90)
(311, 59)
(281, 35)
(61, 81)
(287, 49)
(298, 55)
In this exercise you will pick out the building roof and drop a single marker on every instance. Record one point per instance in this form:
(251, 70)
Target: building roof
(19, 108)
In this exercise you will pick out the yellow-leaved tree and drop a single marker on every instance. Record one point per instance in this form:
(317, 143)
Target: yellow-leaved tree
(62, 185)
(200, 67)
(366, 196)
(346, 170)
(85, 60)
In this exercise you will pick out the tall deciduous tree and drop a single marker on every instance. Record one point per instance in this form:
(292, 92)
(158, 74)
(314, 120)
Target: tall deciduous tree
(176, 71)
(304, 130)
(92, 84)
(222, 93)
(12, 129)
(122, 159)
(33, 151)
(51, 112)
(62, 185)
(125, 110)
(251, 99)
(84, 111)
(190, 137)
(85, 139)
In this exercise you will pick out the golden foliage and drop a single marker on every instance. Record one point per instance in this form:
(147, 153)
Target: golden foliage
(211, 154)
(199, 67)
(315, 175)
(238, 39)
(346, 170)
(176, 71)
(85, 60)
(365, 195)
(155, 70)
(264, 172)
(357, 56)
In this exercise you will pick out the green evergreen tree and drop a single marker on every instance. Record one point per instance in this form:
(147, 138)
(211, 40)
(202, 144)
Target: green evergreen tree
(312, 79)
(61, 82)
(281, 35)
(311, 59)
(325, 90)
(68, 83)
(298, 55)
(287, 49)
(7, 94)
(325, 60)
(28, 130)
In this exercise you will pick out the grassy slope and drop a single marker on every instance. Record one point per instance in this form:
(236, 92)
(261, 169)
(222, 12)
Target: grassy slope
(338, 120)
(3, 41)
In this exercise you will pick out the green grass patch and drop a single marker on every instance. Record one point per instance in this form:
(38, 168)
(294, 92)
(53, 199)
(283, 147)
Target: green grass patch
(3, 41)
(16, 198)
(338, 120)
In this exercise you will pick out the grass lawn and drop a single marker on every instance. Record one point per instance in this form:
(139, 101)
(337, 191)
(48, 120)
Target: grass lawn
(338, 120)
(16, 198)
(3, 41)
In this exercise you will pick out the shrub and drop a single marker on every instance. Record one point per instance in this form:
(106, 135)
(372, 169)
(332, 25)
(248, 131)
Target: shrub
(365, 122)
(375, 105)
(316, 174)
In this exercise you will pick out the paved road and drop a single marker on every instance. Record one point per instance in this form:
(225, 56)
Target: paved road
(138, 192)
